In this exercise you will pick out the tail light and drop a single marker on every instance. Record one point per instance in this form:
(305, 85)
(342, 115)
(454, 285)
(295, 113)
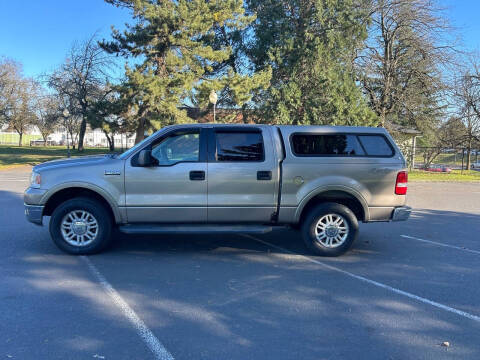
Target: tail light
(402, 183)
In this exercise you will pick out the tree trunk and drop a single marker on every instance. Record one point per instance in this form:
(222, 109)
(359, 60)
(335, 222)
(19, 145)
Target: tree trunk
(383, 115)
(20, 135)
(110, 140)
(244, 114)
(81, 135)
(140, 132)
(44, 139)
(469, 149)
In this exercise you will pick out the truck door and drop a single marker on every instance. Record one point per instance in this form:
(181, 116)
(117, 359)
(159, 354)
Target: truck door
(242, 175)
(174, 190)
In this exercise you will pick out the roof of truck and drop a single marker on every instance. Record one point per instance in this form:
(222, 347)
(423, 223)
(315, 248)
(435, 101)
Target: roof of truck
(295, 128)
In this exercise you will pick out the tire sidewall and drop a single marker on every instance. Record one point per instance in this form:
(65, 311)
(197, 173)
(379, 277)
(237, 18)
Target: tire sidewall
(97, 210)
(310, 222)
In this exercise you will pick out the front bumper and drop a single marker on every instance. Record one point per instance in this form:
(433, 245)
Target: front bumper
(33, 196)
(34, 213)
(401, 213)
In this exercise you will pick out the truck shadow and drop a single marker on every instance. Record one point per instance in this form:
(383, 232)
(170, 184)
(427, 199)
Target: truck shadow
(447, 226)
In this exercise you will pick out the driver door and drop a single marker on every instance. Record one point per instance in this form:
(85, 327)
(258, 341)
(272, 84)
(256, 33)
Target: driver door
(174, 189)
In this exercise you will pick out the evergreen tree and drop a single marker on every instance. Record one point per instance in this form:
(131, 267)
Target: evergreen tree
(310, 45)
(178, 58)
(103, 115)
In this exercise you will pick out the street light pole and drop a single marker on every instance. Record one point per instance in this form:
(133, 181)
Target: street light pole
(213, 99)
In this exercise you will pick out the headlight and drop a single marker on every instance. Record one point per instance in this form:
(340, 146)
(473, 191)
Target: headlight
(35, 180)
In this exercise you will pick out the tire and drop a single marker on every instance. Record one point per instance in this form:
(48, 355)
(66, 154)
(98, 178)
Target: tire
(87, 226)
(342, 226)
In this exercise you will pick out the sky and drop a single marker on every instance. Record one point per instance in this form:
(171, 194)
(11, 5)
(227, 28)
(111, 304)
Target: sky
(463, 15)
(39, 33)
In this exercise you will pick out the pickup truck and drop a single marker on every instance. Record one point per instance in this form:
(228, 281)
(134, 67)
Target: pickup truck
(207, 178)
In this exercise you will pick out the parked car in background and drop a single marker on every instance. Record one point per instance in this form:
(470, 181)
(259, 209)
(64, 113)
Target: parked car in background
(475, 165)
(439, 168)
(322, 180)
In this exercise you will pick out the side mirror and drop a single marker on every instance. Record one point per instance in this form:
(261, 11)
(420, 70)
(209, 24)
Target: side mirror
(145, 158)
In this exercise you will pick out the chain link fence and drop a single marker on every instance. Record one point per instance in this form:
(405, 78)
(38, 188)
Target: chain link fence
(10, 138)
(454, 158)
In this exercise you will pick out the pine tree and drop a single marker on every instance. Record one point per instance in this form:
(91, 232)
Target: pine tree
(178, 58)
(310, 45)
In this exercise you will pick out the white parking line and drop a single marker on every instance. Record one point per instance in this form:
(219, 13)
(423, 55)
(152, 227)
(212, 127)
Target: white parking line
(143, 331)
(441, 244)
(375, 283)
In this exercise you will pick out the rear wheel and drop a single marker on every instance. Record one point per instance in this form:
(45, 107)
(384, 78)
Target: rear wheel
(81, 226)
(330, 229)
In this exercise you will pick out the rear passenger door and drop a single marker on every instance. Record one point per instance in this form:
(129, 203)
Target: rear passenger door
(242, 175)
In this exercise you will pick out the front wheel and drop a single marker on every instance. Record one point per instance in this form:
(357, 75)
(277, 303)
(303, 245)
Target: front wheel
(330, 229)
(81, 226)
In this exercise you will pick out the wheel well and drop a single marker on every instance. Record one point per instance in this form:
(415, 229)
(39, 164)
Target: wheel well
(335, 196)
(69, 193)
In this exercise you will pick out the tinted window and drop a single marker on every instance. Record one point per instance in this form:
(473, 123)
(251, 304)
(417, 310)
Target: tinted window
(376, 145)
(239, 146)
(317, 145)
(177, 148)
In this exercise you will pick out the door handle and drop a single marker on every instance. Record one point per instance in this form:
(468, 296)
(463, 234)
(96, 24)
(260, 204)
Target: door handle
(264, 175)
(197, 175)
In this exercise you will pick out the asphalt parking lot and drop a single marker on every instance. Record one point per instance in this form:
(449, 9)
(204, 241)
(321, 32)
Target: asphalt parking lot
(403, 290)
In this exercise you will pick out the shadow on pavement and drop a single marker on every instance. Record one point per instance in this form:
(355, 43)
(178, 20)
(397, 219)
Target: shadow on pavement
(227, 296)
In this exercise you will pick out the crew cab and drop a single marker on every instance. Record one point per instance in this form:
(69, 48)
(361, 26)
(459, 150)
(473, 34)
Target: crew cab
(204, 178)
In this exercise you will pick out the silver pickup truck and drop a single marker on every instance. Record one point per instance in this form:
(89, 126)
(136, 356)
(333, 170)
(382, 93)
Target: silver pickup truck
(206, 178)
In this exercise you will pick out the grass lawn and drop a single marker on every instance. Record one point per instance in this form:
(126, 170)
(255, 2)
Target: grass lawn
(455, 175)
(13, 156)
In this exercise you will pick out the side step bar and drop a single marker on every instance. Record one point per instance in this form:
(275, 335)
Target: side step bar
(194, 229)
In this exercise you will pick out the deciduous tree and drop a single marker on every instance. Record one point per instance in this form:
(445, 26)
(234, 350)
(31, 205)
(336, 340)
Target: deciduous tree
(48, 115)
(401, 66)
(17, 95)
(467, 94)
(80, 78)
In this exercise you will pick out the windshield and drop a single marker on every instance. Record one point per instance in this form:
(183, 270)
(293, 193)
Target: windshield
(127, 153)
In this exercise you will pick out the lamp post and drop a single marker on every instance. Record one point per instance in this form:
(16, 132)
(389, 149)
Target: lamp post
(213, 99)
(66, 114)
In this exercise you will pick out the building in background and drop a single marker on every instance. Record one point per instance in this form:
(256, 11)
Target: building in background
(96, 137)
(93, 138)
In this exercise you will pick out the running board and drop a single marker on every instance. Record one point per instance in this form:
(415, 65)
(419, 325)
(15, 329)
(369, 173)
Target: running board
(194, 229)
